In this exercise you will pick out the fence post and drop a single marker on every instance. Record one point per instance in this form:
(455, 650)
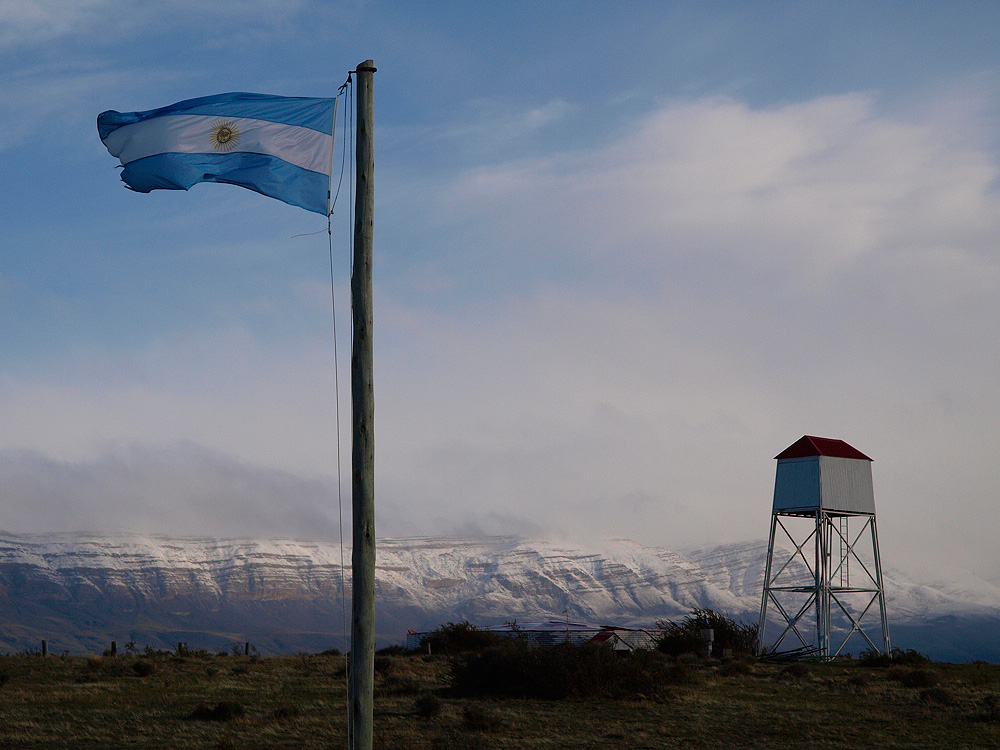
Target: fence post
(45, 648)
(708, 636)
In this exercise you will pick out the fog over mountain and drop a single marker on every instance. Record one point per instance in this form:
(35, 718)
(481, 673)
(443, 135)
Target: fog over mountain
(80, 591)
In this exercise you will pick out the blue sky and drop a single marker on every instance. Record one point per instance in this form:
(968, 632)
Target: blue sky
(624, 256)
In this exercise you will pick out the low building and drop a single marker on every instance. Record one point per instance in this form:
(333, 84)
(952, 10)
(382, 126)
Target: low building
(553, 632)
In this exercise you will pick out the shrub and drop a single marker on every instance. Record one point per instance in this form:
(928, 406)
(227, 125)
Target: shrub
(223, 711)
(735, 668)
(795, 671)
(990, 706)
(685, 637)
(680, 674)
(459, 637)
(394, 650)
(143, 668)
(202, 712)
(920, 678)
(678, 640)
(286, 713)
(427, 706)
(479, 718)
(939, 695)
(399, 684)
(228, 710)
(897, 672)
(909, 657)
(384, 664)
(980, 674)
(859, 680)
(518, 669)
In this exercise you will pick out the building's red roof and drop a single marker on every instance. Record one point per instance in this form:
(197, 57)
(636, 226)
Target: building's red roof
(603, 636)
(808, 445)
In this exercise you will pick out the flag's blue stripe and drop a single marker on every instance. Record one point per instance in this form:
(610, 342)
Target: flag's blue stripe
(316, 114)
(264, 174)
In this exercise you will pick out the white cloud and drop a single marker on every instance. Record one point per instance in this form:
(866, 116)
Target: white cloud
(180, 490)
(676, 307)
(41, 22)
(810, 187)
(729, 279)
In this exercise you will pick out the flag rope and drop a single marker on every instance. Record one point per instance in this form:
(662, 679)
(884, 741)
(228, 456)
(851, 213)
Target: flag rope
(336, 358)
(332, 198)
(345, 155)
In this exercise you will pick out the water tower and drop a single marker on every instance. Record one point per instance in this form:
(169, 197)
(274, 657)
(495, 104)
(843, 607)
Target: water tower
(831, 575)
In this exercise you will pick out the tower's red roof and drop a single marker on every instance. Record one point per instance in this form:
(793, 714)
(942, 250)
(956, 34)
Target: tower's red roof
(808, 445)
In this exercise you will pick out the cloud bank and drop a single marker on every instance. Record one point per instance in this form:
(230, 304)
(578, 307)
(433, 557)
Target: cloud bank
(611, 341)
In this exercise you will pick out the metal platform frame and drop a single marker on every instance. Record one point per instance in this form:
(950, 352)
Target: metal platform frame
(834, 555)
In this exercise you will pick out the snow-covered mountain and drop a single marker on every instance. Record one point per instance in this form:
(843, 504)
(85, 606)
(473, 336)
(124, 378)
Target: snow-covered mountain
(80, 591)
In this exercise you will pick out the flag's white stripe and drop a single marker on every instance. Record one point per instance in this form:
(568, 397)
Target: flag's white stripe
(191, 134)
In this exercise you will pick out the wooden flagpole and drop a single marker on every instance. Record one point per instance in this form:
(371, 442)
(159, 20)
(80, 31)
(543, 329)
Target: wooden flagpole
(362, 666)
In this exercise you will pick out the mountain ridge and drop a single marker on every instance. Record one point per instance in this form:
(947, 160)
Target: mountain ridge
(80, 590)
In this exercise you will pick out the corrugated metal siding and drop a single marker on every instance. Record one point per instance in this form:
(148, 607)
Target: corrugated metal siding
(847, 484)
(796, 484)
(838, 484)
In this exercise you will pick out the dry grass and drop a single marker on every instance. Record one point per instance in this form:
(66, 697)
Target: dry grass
(299, 702)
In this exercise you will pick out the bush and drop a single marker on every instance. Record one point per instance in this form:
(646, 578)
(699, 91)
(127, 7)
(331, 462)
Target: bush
(427, 706)
(939, 695)
(286, 713)
(990, 708)
(384, 664)
(143, 668)
(479, 718)
(685, 637)
(736, 668)
(518, 669)
(679, 673)
(678, 640)
(859, 680)
(908, 658)
(896, 672)
(795, 671)
(399, 684)
(223, 711)
(920, 678)
(459, 637)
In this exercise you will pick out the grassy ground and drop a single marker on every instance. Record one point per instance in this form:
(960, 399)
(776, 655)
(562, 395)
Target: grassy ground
(299, 702)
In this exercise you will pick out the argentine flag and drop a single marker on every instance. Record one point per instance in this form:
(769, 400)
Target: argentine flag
(280, 146)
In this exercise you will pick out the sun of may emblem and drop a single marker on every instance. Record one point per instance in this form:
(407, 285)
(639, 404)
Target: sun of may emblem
(225, 135)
